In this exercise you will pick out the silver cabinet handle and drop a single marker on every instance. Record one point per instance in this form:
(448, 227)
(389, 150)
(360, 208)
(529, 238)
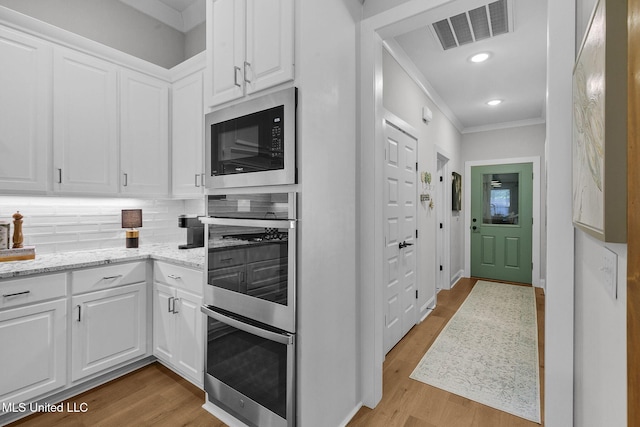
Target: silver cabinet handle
(246, 64)
(16, 294)
(126, 180)
(79, 312)
(197, 183)
(59, 176)
(175, 300)
(111, 277)
(235, 76)
(170, 300)
(202, 180)
(174, 277)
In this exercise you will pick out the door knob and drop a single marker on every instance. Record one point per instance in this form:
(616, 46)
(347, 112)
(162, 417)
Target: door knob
(404, 244)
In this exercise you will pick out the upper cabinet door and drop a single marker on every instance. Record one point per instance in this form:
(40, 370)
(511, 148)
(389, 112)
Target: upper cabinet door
(250, 47)
(225, 50)
(84, 123)
(187, 136)
(144, 134)
(25, 116)
(270, 46)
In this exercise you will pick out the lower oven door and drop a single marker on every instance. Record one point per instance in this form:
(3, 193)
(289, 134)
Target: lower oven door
(250, 369)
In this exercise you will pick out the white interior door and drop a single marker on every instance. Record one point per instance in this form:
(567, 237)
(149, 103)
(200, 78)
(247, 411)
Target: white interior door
(399, 233)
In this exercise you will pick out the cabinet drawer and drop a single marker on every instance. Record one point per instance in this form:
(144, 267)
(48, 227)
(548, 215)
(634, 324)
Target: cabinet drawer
(94, 279)
(181, 277)
(32, 289)
(226, 258)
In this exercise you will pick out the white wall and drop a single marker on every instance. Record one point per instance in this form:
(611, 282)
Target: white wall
(403, 98)
(516, 142)
(559, 320)
(114, 24)
(600, 394)
(325, 75)
(600, 338)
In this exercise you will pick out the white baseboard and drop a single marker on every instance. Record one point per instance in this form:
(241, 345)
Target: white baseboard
(456, 278)
(352, 414)
(427, 309)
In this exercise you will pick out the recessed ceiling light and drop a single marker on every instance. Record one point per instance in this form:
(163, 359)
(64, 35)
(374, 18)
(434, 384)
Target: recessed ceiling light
(479, 57)
(494, 102)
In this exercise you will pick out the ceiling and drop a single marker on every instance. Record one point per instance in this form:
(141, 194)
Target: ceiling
(183, 15)
(515, 71)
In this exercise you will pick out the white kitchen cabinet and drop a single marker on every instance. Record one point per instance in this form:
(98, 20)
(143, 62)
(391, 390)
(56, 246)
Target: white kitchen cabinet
(144, 134)
(250, 47)
(33, 333)
(25, 110)
(108, 327)
(187, 135)
(85, 118)
(178, 338)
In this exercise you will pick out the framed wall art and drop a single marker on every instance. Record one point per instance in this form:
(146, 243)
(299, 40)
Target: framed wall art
(599, 125)
(456, 191)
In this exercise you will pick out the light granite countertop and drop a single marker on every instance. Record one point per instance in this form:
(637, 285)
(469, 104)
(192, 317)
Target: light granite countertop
(49, 263)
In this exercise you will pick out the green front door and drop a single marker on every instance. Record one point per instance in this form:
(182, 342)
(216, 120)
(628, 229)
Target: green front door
(501, 222)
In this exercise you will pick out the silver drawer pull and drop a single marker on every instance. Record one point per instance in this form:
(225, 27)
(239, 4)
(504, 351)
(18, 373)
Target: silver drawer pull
(174, 277)
(16, 294)
(111, 277)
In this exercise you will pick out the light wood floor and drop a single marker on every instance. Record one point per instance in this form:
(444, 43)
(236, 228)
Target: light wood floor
(409, 403)
(156, 396)
(150, 396)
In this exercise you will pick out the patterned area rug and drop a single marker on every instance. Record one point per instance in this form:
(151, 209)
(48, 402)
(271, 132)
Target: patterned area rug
(488, 352)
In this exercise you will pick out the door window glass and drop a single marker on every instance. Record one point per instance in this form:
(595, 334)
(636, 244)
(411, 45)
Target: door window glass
(500, 198)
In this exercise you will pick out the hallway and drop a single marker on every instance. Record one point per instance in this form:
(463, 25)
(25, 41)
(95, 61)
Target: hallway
(409, 403)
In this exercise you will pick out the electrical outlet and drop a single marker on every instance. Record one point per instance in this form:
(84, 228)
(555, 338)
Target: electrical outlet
(610, 272)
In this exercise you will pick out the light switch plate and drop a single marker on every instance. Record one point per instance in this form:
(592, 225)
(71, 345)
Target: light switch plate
(610, 272)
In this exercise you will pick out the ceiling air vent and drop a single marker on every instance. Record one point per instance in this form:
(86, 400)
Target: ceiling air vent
(474, 25)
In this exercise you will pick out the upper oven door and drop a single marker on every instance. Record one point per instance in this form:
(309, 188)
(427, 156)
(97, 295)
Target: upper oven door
(252, 143)
(251, 252)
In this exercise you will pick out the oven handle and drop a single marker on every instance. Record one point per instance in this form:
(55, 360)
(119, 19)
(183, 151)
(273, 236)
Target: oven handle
(282, 338)
(242, 222)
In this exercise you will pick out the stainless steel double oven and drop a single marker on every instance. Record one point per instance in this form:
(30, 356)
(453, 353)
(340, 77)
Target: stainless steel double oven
(250, 303)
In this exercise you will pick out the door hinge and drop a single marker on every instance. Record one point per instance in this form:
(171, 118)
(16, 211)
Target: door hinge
(441, 225)
(531, 221)
(416, 234)
(416, 165)
(416, 294)
(441, 268)
(441, 179)
(531, 266)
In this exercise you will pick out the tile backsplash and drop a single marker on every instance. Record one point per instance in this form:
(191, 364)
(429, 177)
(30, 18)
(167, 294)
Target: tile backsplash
(62, 224)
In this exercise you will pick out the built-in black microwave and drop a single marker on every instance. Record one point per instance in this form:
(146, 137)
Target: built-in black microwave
(252, 143)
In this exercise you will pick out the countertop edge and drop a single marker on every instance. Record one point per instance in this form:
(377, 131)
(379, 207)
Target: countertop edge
(98, 258)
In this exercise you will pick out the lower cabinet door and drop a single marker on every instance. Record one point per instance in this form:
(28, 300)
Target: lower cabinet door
(164, 323)
(33, 351)
(108, 328)
(189, 351)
